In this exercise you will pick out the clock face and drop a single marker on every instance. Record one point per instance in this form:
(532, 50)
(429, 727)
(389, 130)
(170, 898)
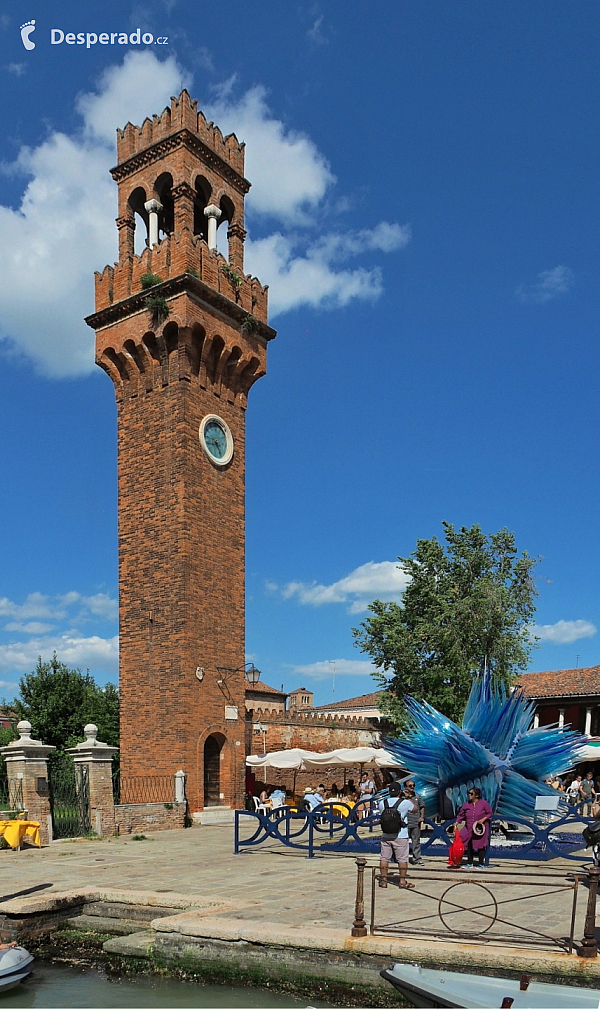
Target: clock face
(216, 440)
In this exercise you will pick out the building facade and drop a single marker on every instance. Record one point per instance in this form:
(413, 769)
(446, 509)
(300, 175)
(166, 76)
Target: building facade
(568, 696)
(182, 333)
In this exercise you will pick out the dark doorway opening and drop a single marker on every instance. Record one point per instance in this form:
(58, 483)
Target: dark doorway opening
(212, 771)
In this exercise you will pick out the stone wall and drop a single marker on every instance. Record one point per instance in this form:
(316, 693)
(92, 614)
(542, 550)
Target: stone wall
(150, 816)
(310, 731)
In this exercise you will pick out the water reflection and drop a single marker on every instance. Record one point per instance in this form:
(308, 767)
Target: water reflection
(54, 987)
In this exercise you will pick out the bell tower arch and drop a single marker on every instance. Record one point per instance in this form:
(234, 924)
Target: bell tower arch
(182, 332)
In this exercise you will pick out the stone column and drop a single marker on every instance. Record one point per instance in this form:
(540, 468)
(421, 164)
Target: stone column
(179, 786)
(561, 718)
(588, 722)
(153, 207)
(213, 213)
(183, 208)
(97, 757)
(126, 227)
(27, 762)
(536, 720)
(236, 235)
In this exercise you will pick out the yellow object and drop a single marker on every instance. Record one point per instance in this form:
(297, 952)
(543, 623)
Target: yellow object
(13, 832)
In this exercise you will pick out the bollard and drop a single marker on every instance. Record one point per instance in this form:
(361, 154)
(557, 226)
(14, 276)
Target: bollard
(589, 946)
(359, 926)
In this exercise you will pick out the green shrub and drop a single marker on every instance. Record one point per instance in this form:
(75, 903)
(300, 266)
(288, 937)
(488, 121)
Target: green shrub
(148, 280)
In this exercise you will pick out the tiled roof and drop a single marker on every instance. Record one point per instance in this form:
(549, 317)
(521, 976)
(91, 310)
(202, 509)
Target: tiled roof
(364, 701)
(263, 688)
(562, 683)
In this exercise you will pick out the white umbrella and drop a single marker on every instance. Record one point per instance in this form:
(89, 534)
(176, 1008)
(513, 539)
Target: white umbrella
(284, 760)
(351, 755)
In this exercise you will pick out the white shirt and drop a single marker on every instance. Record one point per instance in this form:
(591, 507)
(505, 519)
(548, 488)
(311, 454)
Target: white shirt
(404, 808)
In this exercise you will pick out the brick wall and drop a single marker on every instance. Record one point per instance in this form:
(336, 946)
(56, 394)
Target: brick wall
(149, 816)
(310, 731)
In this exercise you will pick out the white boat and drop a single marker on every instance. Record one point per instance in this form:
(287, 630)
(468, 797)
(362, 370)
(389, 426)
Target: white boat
(427, 988)
(15, 966)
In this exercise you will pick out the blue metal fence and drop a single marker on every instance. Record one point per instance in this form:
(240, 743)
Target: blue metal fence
(326, 829)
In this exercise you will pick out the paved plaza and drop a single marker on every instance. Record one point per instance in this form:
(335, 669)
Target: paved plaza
(277, 885)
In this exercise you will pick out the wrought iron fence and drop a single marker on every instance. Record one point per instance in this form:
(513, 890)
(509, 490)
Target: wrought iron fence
(11, 795)
(482, 910)
(69, 794)
(137, 789)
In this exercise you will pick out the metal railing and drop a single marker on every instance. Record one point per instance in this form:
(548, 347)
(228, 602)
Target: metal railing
(469, 909)
(11, 795)
(326, 828)
(135, 790)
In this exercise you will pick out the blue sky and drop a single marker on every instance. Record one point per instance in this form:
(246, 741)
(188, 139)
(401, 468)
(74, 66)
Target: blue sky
(424, 208)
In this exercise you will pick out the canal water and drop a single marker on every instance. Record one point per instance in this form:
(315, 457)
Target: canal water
(55, 987)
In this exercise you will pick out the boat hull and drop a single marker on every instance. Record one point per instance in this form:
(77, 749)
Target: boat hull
(427, 988)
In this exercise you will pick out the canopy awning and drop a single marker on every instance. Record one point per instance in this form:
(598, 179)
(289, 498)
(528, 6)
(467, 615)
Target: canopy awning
(307, 760)
(349, 756)
(284, 760)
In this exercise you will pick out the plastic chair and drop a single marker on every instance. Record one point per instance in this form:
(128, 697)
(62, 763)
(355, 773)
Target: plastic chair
(259, 807)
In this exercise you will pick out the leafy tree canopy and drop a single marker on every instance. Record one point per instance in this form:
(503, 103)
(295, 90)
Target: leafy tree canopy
(468, 601)
(59, 701)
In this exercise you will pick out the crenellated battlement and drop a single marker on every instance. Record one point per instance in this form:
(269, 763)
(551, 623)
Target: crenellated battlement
(313, 718)
(175, 255)
(182, 114)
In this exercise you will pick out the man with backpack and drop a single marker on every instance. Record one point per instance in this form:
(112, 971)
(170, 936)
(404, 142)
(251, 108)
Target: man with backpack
(394, 835)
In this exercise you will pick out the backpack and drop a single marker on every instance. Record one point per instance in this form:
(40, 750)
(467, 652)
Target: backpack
(391, 820)
(591, 834)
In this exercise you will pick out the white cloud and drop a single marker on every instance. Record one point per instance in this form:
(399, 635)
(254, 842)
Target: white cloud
(32, 627)
(97, 653)
(549, 284)
(313, 278)
(64, 228)
(315, 34)
(37, 606)
(47, 624)
(138, 87)
(288, 173)
(374, 580)
(564, 632)
(325, 670)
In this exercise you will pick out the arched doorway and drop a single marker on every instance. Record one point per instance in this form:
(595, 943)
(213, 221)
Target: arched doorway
(212, 770)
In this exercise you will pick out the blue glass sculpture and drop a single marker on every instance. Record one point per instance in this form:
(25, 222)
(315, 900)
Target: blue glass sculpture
(495, 750)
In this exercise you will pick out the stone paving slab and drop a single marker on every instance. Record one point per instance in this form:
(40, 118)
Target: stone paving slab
(196, 868)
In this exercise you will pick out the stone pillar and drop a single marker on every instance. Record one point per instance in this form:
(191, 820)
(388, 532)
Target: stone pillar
(179, 786)
(561, 718)
(27, 762)
(536, 720)
(126, 226)
(588, 722)
(236, 235)
(213, 213)
(183, 206)
(97, 757)
(153, 207)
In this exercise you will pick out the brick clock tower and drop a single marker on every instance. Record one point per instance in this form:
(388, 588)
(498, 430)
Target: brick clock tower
(182, 332)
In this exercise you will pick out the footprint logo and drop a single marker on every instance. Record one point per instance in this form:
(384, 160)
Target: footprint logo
(26, 31)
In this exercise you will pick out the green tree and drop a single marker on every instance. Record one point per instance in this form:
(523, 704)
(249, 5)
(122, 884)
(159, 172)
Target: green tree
(468, 602)
(59, 701)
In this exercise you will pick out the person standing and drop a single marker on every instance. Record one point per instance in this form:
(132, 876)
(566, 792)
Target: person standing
(366, 791)
(394, 844)
(588, 793)
(415, 821)
(473, 822)
(574, 791)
